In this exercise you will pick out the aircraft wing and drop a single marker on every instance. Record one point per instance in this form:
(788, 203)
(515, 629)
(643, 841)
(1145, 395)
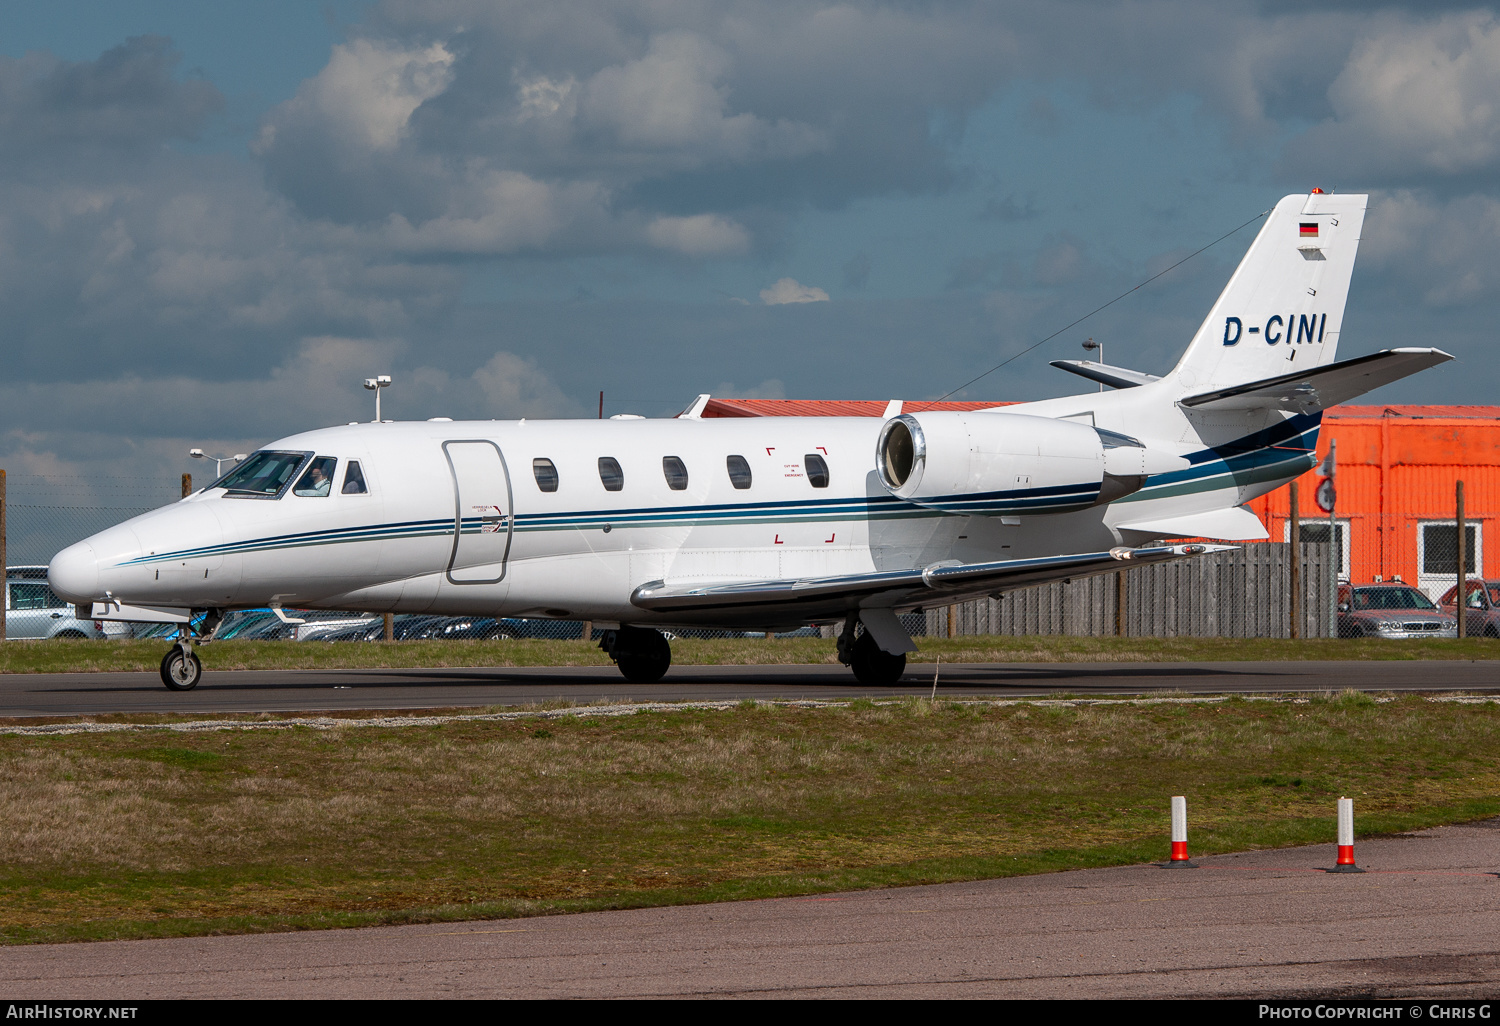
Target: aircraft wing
(1320, 387)
(791, 601)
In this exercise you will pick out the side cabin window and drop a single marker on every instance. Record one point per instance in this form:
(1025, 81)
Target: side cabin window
(545, 472)
(318, 480)
(675, 472)
(610, 474)
(739, 471)
(354, 480)
(817, 470)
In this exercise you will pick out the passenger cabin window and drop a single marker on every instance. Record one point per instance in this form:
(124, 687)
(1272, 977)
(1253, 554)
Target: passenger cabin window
(610, 474)
(265, 475)
(318, 481)
(739, 471)
(817, 470)
(354, 480)
(545, 473)
(675, 471)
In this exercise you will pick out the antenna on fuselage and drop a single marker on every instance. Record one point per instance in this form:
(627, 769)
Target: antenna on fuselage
(375, 384)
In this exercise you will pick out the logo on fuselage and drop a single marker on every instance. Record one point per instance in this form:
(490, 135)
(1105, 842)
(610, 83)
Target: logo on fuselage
(1307, 328)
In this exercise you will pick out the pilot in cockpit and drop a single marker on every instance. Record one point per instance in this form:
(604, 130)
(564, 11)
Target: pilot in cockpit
(318, 480)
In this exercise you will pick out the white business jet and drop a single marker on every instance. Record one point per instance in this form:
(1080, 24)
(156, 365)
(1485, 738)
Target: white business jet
(768, 523)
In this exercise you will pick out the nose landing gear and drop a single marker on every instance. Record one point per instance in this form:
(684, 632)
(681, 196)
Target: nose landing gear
(642, 654)
(180, 668)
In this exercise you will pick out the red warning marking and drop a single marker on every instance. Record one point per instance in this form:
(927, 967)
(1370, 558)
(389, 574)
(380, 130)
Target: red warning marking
(779, 541)
(821, 449)
(831, 537)
(770, 449)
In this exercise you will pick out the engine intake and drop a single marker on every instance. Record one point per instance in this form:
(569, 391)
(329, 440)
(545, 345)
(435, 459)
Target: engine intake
(1008, 464)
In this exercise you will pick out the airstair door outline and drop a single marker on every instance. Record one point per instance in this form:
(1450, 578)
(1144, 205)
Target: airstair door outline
(482, 521)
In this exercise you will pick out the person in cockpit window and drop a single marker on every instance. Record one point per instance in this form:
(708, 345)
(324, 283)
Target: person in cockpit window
(318, 480)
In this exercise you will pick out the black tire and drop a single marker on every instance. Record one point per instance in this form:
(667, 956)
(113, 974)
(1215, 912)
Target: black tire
(874, 666)
(181, 673)
(70, 635)
(642, 654)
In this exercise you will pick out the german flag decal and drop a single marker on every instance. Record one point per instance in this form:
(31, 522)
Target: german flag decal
(1308, 229)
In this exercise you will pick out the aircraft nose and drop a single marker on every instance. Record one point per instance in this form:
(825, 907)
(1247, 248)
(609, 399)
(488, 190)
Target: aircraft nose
(74, 573)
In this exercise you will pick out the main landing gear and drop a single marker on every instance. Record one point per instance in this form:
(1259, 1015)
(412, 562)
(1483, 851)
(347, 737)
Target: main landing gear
(642, 654)
(181, 669)
(871, 664)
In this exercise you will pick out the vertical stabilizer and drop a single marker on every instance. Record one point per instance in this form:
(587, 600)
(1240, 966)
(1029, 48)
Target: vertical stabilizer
(1283, 308)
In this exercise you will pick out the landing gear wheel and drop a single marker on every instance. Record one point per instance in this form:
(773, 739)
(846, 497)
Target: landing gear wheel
(642, 654)
(873, 665)
(181, 671)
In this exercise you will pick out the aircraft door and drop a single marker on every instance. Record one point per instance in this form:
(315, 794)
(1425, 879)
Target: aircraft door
(482, 522)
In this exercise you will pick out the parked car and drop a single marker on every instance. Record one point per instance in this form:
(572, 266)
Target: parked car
(1391, 611)
(1481, 611)
(32, 610)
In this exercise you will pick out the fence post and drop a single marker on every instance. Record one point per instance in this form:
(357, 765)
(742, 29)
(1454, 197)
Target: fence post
(4, 596)
(1294, 568)
(1460, 599)
(1120, 593)
(952, 617)
(187, 485)
(389, 633)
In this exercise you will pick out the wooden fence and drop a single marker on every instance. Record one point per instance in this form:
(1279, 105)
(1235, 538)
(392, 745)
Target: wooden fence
(1243, 593)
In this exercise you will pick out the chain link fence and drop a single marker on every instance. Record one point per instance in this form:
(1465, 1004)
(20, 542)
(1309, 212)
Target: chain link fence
(1259, 590)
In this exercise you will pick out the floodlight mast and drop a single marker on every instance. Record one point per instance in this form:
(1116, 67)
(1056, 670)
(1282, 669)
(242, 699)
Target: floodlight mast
(375, 384)
(1090, 345)
(219, 461)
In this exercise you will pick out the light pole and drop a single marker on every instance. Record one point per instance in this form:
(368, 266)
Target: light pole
(1089, 345)
(375, 384)
(219, 461)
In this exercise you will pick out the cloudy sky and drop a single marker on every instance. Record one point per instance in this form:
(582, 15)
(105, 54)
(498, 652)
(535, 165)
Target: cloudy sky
(217, 219)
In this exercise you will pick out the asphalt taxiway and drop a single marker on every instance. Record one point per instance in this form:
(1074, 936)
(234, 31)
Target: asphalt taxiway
(75, 694)
(1422, 922)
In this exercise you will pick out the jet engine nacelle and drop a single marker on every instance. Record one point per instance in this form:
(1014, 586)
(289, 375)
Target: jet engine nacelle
(1010, 464)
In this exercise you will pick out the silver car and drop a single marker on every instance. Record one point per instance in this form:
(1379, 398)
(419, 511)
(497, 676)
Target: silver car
(1391, 611)
(33, 611)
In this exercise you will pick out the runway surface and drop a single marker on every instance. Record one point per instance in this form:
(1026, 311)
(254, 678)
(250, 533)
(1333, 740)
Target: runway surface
(71, 694)
(1421, 923)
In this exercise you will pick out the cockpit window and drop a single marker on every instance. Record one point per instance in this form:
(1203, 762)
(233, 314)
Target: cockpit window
(318, 480)
(265, 475)
(354, 480)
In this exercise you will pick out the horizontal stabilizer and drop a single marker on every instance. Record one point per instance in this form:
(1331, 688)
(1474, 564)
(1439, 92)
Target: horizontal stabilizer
(1233, 524)
(791, 601)
(1114, 377)
(1320, 387)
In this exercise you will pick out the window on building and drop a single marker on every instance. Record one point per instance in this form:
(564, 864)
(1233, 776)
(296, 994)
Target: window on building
(1440, 548)
(1316, 532)
(545, 473)
(739, 471)
(675, 472)
(817, 470)
(611, 474)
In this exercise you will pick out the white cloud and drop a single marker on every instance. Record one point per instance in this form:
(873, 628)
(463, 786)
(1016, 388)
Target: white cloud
(699, 235)
(790, 290)
(1446, 250)
(370, 90)
(1417, 99)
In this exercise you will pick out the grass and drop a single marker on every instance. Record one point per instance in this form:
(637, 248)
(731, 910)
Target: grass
(100, 656)
(158, 833)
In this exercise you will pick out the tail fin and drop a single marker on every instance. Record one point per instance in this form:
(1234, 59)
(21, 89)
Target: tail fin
(1282, 310)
